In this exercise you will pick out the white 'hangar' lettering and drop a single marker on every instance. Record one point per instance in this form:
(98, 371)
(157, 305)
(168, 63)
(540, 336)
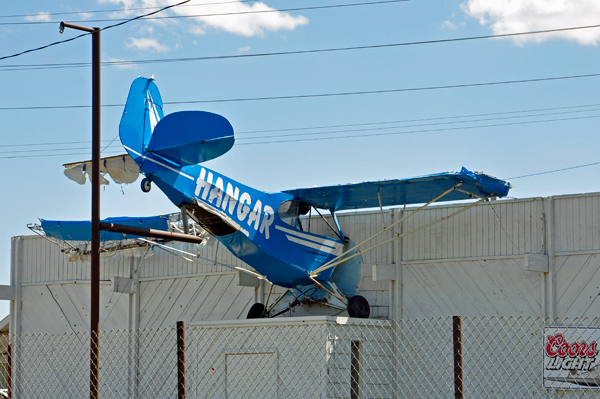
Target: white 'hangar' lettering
(228, 198)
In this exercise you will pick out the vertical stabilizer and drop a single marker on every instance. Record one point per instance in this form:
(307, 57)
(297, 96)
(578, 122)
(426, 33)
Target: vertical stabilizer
(143, 111)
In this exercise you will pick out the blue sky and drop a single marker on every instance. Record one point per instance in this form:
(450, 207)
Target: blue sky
(491, 128)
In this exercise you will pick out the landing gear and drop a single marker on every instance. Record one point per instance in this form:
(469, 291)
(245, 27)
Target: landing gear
(256, 311)
(146, 185)
(317, 297)
(358, 307)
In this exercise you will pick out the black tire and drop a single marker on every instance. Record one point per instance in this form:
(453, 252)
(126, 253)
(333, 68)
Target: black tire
(146, 185)
(256, 311)
(358, 307)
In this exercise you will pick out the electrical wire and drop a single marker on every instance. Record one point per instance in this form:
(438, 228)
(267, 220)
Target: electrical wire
(56, 155)
(86, 34)
(419, 131)
(20, 67)
(417, 120)
(121, 9)
(323, 95)
(46, 150)
(553, 171)
(363, 135)
(218, 14)
(44, 144)
(370, 129)
(570, 107)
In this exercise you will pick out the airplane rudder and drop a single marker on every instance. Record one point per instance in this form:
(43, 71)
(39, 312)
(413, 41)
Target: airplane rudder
(142, 112)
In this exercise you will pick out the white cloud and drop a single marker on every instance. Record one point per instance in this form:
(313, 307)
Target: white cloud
(512, 16)
(244, 49)
(146, 43)
(249, 24)
(245, 20)
(41, 17)
(85, 15)
(127, 3)
(449, 25)
(122, 66)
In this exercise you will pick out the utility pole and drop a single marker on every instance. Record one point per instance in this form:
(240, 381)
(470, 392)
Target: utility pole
(95, 254)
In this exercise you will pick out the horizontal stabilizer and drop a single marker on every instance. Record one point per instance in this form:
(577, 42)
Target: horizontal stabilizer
(416, 190)
(191, 137)
(121, 168)
(82, 230)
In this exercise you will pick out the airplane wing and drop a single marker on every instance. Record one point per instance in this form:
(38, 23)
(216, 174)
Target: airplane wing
(82, 230)
(415, 190)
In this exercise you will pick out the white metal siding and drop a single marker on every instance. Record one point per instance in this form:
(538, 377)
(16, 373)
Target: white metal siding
(470, 288)
(496, 228)
(471, 264)
(577, 223)
(214, 297)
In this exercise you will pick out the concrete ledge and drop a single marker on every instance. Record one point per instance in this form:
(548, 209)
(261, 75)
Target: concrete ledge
(288, 321)
(7, 293)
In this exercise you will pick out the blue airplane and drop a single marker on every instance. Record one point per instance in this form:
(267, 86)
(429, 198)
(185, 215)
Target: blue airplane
(263, 229)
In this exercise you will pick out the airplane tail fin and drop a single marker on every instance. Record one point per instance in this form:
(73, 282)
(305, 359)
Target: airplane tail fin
(184, 138)
(143, 111)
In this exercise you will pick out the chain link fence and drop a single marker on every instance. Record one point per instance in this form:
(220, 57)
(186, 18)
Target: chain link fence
(319, 357)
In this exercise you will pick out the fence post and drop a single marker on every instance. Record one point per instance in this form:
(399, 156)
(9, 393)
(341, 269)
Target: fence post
(9, 370)
(354, 369)
(181, 391)
(459, 389)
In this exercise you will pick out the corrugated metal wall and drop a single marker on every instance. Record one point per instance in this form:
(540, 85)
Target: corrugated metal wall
(497, 228)
(471, 264)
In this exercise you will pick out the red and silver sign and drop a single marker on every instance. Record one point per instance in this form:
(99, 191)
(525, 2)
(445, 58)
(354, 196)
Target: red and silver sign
(571, 357)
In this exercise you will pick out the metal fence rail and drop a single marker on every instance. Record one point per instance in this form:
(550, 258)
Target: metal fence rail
(322, 357)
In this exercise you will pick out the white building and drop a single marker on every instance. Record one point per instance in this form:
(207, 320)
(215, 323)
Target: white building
(531, 258)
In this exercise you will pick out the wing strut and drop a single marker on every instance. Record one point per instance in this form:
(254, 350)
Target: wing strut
(339, 259)
(329, 224)
(170, 250)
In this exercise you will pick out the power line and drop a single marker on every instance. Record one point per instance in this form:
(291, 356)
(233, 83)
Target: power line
(419, 131)
(16, 67)
(323, 95)
(217, 14)
(55, 155)
(358, 135)
(63, 143)
(553, 171)
(45, 150)
(418, 120)
(120, 9)
(44, 144)
(409, 126)
(85, 34)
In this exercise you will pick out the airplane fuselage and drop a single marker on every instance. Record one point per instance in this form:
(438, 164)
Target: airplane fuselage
(257, 227)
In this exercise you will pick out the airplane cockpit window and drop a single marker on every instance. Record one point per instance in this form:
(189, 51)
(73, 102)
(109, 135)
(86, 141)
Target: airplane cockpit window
(290, 211)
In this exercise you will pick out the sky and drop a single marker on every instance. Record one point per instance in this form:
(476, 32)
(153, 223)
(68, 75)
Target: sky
(508, 106)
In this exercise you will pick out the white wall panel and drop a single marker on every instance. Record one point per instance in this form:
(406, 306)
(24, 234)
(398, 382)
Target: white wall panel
(577, 223)
(470, 288)
(578, 285)
(497, 228)
(58, 308)
(214, 297)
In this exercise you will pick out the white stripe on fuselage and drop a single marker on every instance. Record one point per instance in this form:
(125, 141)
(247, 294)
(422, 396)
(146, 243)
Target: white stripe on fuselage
(320, 248)
(327, 243)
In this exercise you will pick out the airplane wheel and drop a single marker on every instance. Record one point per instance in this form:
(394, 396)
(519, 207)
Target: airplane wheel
(358, 307)
(146, 185)
(256, 311)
